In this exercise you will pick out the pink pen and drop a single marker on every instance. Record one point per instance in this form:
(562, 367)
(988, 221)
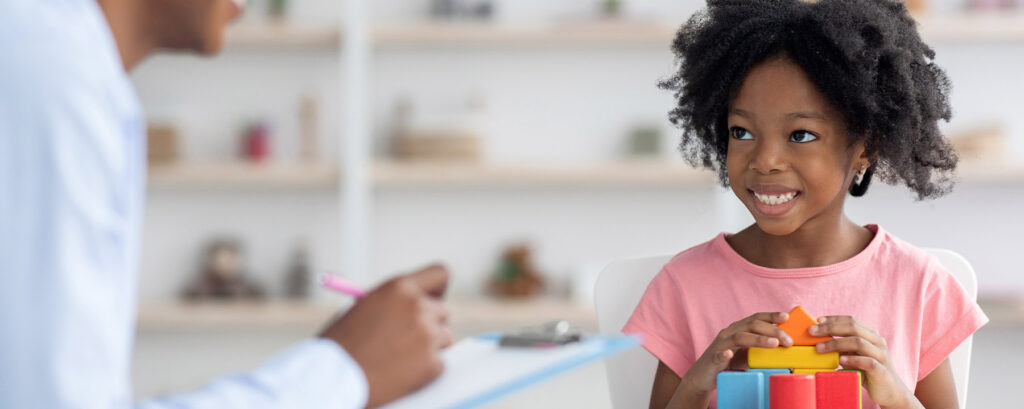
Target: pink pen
(341, 285)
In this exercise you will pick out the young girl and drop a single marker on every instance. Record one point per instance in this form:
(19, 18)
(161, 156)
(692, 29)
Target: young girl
(794, 104)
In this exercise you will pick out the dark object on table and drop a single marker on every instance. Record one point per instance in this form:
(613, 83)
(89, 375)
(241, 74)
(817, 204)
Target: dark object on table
(548, 335)
(299, 275)
(221, 275)
(451, 9)
(516, 277)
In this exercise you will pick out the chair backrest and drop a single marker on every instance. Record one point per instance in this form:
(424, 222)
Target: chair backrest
(631, 374)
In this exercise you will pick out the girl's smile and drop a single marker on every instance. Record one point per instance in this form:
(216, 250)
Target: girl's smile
(773, 200)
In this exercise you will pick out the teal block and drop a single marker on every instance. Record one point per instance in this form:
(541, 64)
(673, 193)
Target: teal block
(742, 390)
(768, 374)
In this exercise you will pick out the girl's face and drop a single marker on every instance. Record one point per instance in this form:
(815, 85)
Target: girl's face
(789, 159)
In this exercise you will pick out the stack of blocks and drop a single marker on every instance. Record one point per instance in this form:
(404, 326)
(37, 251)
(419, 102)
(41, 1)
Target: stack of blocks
(795, 377)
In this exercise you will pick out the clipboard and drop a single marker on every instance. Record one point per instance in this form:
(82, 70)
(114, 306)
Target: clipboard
(477, 371)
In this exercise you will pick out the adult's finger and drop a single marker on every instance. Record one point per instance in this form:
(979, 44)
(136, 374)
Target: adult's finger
(432, 280)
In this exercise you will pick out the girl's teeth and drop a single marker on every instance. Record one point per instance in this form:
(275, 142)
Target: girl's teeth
(773, 200)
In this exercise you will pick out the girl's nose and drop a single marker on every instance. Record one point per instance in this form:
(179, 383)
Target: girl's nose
(769, 156)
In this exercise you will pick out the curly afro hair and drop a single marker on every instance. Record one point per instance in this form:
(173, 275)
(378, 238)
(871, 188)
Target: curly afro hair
(865, 56)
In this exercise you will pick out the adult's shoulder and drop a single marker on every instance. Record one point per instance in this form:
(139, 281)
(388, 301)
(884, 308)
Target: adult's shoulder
(54, 50)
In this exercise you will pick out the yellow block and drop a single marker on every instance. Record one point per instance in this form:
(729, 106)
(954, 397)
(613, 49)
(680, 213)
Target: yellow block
(803, 357)
(812, 371)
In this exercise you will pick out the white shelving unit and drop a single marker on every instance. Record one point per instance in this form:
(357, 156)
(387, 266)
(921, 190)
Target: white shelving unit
(355, 39)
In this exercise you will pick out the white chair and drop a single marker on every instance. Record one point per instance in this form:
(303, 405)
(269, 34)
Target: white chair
(631, 374)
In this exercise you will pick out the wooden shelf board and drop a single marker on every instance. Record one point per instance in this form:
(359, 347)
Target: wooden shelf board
(391, 174)
(597, 33)
(992, 172)
(243, 175)
(282, 35)
(471, 315)
(172, 315)
(955, 27)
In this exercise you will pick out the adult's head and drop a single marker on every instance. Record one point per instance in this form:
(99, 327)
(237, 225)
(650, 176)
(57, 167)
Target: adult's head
(143, 26)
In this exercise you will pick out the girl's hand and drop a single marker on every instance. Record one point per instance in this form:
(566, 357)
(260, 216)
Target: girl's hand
(758, 330)
(861, 347)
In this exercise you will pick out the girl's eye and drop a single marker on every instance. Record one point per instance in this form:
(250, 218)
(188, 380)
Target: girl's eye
(740, 133)
(802, 137)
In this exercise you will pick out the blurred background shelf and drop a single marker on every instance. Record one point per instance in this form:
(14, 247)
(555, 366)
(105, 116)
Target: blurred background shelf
(242, 175)
(282, 35)
(996, 172)
(612, 173)
(612, 32)
(958, 27)
(468, 316)
(410, 174)
(1007, 27)
(182, 315)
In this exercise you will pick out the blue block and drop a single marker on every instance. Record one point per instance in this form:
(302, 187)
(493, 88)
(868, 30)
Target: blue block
(742, 390)
(768, 374)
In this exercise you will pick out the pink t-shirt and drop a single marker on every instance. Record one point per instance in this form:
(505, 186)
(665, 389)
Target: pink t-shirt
(901, 291)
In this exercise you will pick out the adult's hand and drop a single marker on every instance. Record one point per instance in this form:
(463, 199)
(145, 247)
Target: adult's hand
(396, 333)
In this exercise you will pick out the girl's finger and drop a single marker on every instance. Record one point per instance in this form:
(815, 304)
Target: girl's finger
(769, 317)
(852, 345)
(748, 339)
(867, 364)
(767, 329)
(722, 358)
(845, 326)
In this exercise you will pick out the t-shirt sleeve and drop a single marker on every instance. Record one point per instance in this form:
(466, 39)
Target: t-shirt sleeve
(661, 319)
(949, 316)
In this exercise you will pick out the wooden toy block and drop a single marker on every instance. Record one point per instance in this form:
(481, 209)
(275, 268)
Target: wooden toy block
(803, 357)
(768, 372)
(741, 390)
(858, 371)
(796, 326)
(812, 371)
(792, 391)
(838, 390)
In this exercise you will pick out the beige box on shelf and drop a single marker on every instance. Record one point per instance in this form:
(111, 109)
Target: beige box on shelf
(438, 145)
(980, 144)
(162, 143)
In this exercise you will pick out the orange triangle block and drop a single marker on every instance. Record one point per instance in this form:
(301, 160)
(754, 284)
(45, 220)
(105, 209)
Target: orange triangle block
(799, 321)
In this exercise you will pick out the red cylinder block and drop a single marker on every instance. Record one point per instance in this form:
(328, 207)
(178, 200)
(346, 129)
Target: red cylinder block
(792, 391)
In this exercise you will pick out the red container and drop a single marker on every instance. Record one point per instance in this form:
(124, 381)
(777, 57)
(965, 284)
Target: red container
(792, 391)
